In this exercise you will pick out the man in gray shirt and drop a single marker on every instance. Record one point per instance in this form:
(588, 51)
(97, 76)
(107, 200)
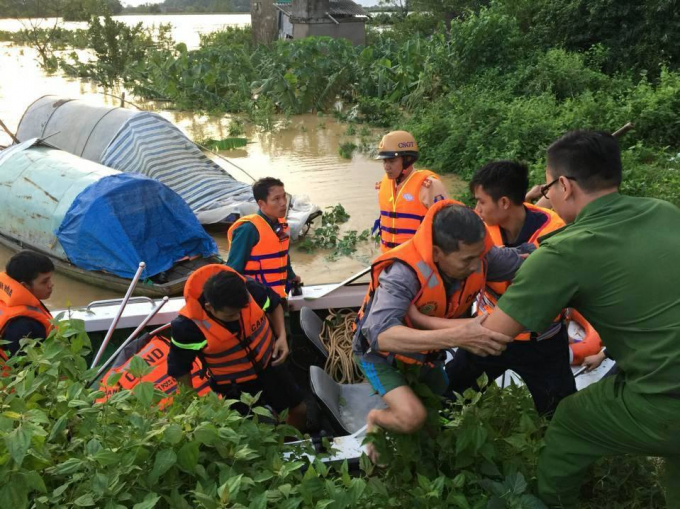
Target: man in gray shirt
(416, 289)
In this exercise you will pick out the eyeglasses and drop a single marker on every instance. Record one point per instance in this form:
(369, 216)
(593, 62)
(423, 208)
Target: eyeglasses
(544, 188)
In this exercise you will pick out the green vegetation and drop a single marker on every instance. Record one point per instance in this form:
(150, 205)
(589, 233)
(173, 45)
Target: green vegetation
(60, 447)
(69, 10)
(328, 235)
(190, 6)
(347, 149)
(502, 81)
(223, 144)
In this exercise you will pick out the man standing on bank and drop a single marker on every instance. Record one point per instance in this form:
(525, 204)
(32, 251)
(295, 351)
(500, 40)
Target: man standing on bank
(540, 358)
(26, 282)
(259, 243)
(617, 263)
(404, 194)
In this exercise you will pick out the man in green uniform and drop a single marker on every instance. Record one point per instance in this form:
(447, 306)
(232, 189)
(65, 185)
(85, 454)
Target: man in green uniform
(618, 262)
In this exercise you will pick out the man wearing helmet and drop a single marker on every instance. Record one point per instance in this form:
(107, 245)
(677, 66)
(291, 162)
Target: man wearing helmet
(404, 194)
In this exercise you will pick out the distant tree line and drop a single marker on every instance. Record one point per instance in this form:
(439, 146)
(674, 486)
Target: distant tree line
(191, 6)
(69, 10)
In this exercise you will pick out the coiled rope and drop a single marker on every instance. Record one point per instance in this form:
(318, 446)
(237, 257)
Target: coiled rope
(336, 335)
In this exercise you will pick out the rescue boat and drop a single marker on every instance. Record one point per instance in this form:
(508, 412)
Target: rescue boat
(344, 406)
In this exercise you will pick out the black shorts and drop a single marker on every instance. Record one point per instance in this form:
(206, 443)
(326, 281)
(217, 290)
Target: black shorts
(277, 385)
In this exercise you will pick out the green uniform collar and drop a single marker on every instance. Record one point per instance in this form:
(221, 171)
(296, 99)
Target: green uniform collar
(596, 205)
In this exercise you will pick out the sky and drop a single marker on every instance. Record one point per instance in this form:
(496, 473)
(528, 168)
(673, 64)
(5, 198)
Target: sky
(365, 3)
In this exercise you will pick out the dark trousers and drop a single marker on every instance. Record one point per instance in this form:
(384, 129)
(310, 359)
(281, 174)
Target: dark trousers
(543, 365)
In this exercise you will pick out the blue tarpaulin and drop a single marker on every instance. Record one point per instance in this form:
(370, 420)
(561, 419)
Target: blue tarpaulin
(124, 219)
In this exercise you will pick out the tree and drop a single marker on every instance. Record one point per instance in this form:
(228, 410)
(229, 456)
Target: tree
(41, 22)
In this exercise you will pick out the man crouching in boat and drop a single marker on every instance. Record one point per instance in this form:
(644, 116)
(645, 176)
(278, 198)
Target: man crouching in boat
(440, 271)
(26, 282)
(236, 327)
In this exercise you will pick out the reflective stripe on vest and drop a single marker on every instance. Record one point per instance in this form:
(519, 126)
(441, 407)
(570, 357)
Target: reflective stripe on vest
(494, 290)
(268, 259)
(229, 357)
(16, 301)
(401, 212)
(431, 299)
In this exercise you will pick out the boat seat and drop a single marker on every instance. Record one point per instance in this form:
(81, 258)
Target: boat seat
(348, 403)
(311, 325)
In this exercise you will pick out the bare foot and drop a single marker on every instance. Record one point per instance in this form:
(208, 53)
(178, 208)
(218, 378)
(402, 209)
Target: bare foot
(371, 451)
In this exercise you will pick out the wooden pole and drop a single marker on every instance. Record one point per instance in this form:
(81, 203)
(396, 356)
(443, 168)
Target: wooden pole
(6, 129)
(623, 130)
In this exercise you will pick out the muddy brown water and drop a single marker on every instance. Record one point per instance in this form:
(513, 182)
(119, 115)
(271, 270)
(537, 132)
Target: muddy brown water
(304, 155)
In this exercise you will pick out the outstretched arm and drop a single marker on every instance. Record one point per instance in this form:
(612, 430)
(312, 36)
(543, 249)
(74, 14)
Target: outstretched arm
(470, 336)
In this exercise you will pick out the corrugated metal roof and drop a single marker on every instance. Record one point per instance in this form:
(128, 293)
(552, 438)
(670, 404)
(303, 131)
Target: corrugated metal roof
(337, 8)
(346, 8)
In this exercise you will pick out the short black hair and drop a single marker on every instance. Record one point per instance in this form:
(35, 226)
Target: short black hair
(592, 158)
(455, 224)
(262, 186)
(26, 266)
(502, 178)
(226, 290)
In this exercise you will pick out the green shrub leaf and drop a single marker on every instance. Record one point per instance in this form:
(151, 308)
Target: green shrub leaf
(18, 443)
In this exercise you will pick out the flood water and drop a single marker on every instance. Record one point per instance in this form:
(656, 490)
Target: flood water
(304, 154)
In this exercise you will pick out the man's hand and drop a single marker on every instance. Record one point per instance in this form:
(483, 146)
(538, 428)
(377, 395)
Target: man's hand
(533, 194)
(280, 350)
(593, 361)
(479, 340)
(296, 280)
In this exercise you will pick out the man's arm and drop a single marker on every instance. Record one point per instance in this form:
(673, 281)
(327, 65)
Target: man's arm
(504, 262)
(499, 321)
(542, 288)
(425, 322)
(433, 192)
(470, 336)
(271, 304)
(281, 350)
(187, 340)
(385, 330)
(242, 242)
(19, 328)
(291, 276)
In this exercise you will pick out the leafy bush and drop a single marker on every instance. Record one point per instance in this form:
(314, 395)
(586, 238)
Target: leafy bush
(327, 236)
(60, 447)
(229, 35)
(347, 149)
(119, 48)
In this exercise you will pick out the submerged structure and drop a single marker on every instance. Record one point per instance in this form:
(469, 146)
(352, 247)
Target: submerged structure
(296, 19)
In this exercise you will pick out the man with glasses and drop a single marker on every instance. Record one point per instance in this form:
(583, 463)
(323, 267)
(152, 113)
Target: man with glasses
(259, 243)
(616, 261)
(541, 357)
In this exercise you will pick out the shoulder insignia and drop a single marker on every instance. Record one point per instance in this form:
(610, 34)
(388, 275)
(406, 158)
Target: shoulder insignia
(427, 183)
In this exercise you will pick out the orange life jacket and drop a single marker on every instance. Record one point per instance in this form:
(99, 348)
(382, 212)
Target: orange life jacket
(15, 301)
(492, 292)
(229, 358)
(401, 212)
(591, 343)
(268, 260)
(431, 299)
(155, 354)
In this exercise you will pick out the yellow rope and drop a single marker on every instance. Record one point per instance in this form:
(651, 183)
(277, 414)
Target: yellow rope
(336, 334)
